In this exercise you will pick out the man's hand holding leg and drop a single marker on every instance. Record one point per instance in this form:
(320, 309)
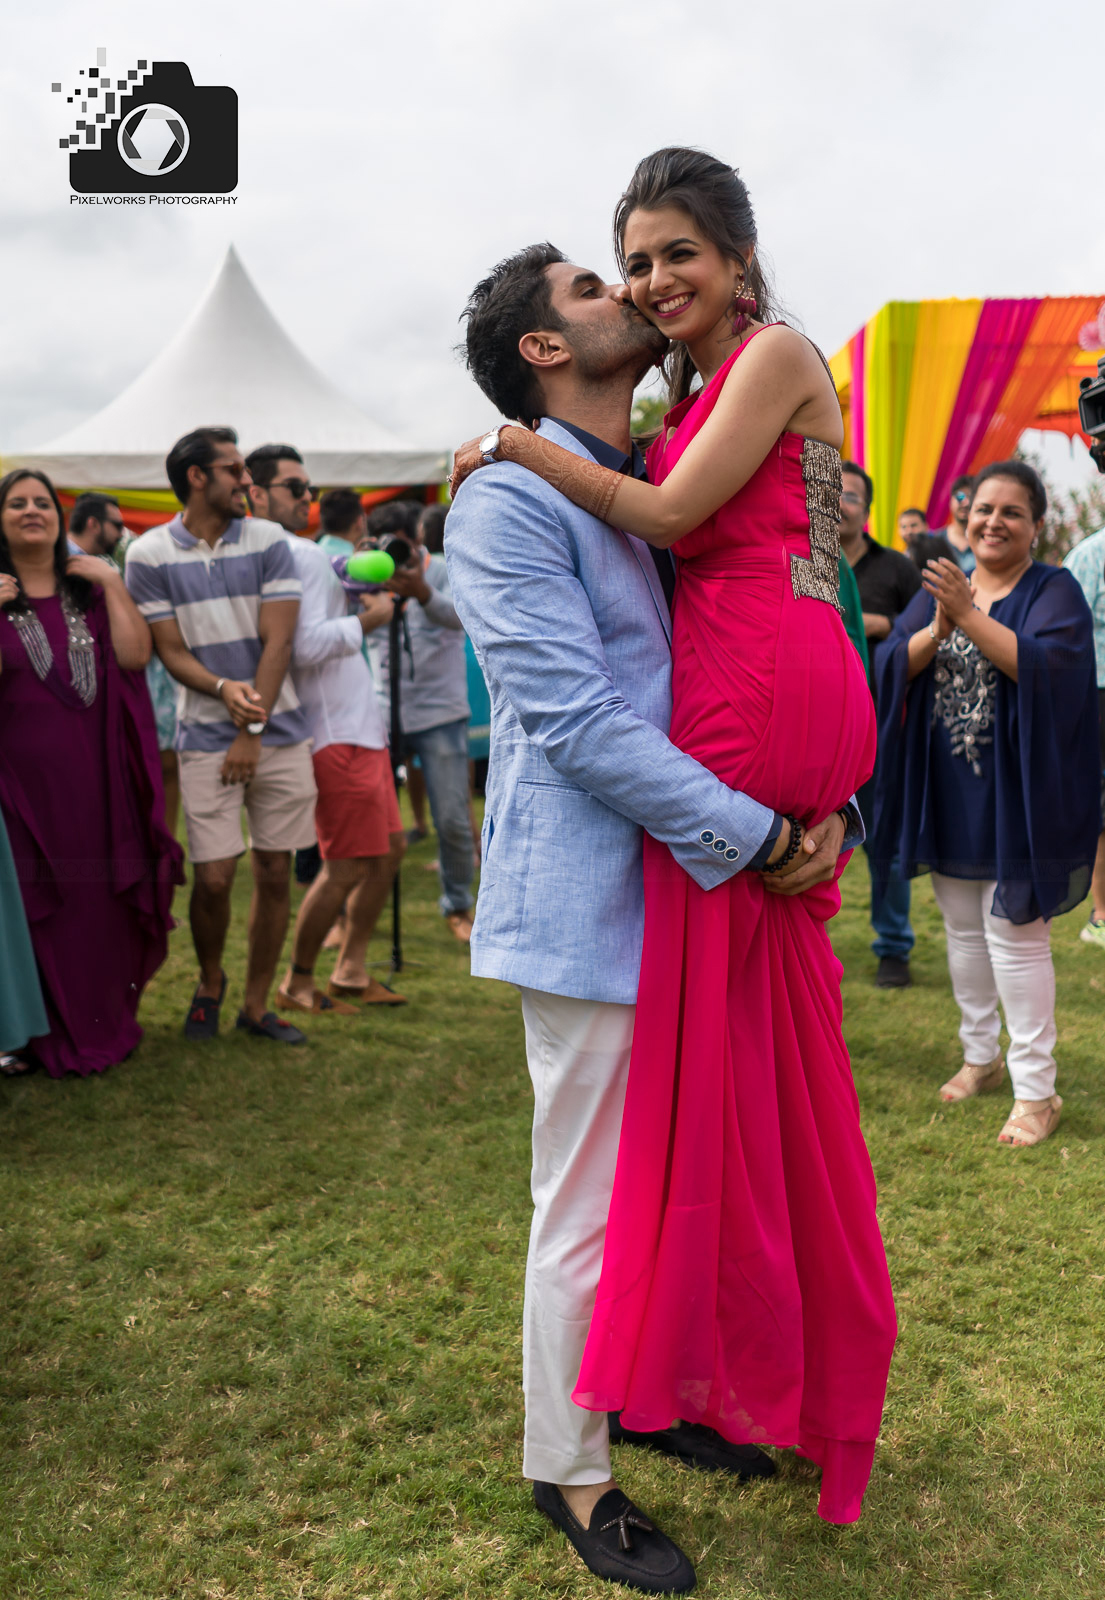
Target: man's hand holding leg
(816, 859)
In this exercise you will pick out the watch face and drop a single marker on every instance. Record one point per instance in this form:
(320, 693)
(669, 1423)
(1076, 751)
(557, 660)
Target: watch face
(490, 442)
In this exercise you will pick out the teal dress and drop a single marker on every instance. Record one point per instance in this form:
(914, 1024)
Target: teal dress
(22, 1014)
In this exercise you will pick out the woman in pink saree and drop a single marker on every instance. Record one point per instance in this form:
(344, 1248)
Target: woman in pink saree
(744, 1283)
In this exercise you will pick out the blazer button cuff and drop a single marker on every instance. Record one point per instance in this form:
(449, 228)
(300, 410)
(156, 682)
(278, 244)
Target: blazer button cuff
(706, 836)
(732, 855)
(721, 845)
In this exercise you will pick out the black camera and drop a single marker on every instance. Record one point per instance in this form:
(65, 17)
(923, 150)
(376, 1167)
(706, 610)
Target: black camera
(165, 135)
(1091, 411)
(394, 545)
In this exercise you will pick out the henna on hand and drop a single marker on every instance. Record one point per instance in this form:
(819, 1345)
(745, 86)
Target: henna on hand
(584, 482)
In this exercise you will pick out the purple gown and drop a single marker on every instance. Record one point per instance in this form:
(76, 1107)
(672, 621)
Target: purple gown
(81, 793)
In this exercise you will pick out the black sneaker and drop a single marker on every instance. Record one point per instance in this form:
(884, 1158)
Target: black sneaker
(270, 1027)
(620, 1543)
(202, 1021)
(893, 973)
(697, 1445)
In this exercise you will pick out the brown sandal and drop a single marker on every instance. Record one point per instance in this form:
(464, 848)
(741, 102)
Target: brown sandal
(972, 1079)
(372, 993)
(1031, 1121)
(319, 1002)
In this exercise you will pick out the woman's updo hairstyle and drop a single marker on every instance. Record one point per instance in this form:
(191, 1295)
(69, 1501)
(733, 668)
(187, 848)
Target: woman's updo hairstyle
(715, 197)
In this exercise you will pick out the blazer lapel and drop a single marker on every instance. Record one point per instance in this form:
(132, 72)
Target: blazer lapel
(652, 578)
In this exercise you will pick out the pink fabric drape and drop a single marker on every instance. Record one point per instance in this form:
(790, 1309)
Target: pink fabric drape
(1002, 330)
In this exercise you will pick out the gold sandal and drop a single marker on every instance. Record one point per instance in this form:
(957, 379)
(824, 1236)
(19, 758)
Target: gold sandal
(1031, 1121)
(972, 1079)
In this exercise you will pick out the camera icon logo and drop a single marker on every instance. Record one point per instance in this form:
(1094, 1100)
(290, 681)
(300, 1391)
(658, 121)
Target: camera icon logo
(153, 140)
(153, 131)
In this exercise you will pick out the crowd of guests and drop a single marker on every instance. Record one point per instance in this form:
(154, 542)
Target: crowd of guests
(226, 669)
(233, 670)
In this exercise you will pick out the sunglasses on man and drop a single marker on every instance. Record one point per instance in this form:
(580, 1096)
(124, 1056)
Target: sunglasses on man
(298, 488)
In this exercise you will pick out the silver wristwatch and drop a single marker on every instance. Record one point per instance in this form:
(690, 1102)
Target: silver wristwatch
(490, 443)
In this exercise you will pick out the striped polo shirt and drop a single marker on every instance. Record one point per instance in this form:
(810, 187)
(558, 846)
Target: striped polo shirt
(216, 597)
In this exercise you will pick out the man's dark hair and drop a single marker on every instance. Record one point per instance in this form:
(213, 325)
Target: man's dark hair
(964, 481)
(913, 511)
(1021, 473)
(89, 505)
(195, 449)
(339, 509)
(394, 516)
(431, 525)
(929, 547)
(868, 484)
(513, 300)
(261, 463)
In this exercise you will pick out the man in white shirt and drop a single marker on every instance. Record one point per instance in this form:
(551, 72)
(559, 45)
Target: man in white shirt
(357, 820)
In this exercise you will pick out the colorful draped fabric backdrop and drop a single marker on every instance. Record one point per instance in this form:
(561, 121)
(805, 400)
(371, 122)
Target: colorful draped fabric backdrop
(143, 509)
(931, 389)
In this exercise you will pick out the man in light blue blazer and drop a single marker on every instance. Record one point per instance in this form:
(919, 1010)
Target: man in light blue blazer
(570, 621)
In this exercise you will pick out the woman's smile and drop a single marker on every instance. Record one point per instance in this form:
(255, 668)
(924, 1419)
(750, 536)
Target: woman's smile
(672, 305)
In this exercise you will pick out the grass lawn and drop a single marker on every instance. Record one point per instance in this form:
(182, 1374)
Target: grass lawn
(260, 1334)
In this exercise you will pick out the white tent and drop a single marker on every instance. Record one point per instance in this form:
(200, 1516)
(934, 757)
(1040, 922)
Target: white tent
(231, 363)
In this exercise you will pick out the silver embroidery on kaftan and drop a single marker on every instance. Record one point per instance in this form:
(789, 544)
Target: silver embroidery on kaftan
(966, 682)
(817, 578)
(81, 647)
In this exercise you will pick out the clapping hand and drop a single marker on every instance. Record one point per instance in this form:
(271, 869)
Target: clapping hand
(954, 596)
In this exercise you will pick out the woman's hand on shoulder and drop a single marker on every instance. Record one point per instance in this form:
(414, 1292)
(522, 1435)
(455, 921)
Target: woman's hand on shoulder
(94, 569)
(467, 458)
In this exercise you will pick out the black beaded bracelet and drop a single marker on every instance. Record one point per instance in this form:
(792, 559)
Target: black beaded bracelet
(797, 832)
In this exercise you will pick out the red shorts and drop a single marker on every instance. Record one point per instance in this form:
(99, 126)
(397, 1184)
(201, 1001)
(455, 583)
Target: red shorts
(357, 810)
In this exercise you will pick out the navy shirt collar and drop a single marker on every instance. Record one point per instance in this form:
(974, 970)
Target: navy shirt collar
(607, 455)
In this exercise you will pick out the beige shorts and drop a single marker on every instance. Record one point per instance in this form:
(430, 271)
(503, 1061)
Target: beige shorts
(279, 802)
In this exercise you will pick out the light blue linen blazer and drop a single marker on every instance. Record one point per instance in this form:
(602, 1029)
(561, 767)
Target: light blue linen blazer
(569, 622)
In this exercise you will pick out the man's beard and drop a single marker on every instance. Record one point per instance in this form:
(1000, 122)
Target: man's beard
(635, 344)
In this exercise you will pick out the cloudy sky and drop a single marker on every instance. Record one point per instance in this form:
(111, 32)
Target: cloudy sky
(389, 154)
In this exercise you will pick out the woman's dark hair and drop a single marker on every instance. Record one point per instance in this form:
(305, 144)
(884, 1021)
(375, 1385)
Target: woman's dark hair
(715, 197)
(925, 547)
(513, 300)
(195, 449)
(79, 590)
(431, 527)
(1020, 472)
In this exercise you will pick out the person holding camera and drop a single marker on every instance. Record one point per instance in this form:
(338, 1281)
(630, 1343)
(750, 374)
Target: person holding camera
(360, 835)
(220, 592)
(433, 706)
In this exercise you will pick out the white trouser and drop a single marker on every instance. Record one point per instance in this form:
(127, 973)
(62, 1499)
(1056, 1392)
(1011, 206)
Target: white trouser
(992, 959)
(578, 1057)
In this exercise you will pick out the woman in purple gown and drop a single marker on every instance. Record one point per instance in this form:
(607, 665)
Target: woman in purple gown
(80, 783)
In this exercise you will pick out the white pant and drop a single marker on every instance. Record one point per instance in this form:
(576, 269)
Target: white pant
(578, 1057)
(992, 959)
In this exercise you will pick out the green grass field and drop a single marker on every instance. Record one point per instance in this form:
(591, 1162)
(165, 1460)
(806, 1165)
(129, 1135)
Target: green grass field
(260, 1334)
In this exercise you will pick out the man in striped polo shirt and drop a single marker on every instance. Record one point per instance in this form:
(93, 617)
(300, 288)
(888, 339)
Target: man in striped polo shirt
(220, 592)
